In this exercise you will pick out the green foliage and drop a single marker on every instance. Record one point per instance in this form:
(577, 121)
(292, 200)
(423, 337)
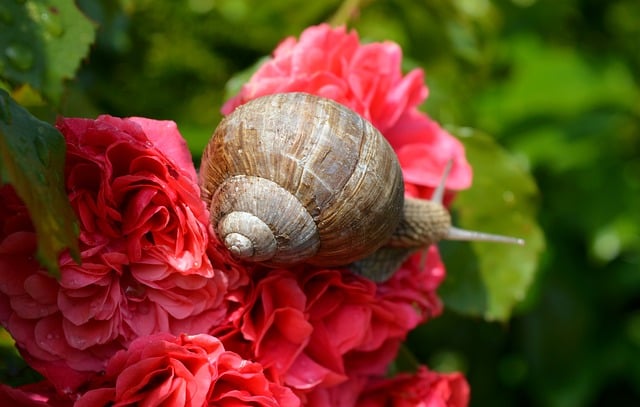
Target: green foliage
(488, 279)
(32, 160)
(43, 42)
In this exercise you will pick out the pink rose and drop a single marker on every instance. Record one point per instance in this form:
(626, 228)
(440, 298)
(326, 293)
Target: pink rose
(313, 328)
(332, 63)
(243, 383)
(183, 371)
(423, 389)
(423, 150)
(367, 78)
(414, 285)
(143, 239)
(342, 395)
(158, 370)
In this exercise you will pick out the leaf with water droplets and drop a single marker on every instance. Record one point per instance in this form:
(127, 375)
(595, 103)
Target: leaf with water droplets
(32, 160)
(42, 43)
(489, 279)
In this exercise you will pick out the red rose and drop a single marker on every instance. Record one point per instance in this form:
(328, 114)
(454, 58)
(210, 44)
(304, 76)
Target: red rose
(281, 323)
(343, 395)
(163, 370)
(422, 389)
(242, 383)
(158, 370)
(143, 240)
(414, 285)
(367, 78)
(313, 329)
(332, 63)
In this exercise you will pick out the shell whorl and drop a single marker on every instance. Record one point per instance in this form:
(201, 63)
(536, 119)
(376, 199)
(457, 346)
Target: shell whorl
(340, 175)
(260, 220)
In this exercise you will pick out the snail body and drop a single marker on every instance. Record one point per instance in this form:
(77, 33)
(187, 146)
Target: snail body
(296, 178)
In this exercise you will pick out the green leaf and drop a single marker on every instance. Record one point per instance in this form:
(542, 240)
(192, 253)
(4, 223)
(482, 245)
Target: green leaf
(42, 43)
(32, 160)
(489, 279)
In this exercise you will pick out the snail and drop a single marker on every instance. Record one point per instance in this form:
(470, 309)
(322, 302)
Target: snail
(295, 178)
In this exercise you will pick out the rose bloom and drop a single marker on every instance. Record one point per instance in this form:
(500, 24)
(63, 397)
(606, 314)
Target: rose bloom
(422, 389)
(143, 241)
(367, 78)
(314, 328)
(190, 371)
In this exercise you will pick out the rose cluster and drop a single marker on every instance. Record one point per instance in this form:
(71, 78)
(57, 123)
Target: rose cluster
(157, 313)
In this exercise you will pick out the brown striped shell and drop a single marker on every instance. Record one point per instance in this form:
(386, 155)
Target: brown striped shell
(295, 178)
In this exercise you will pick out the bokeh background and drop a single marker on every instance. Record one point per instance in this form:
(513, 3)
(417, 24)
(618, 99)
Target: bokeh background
(556, 83)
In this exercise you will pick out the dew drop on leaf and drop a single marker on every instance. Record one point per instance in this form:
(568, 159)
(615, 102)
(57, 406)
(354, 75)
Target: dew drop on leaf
(47, 17)
(51, 22)
(42, 178)
(508, 197)
(20, 56)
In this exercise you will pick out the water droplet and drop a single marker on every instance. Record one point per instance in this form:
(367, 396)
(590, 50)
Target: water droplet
(51, 21)
(79, 343)
(44, 154)
(5, 15)
(47, 17)
(42, 179)
(508, 196)
(196, 264)
(148, 144)
(19, 56)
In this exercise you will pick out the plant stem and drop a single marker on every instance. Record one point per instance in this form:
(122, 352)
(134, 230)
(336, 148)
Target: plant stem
(347, 10)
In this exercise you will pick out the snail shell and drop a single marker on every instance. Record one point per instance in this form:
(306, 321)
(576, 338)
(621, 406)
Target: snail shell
(295, 178)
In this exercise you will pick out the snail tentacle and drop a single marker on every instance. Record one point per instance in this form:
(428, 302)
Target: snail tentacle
(423, 223)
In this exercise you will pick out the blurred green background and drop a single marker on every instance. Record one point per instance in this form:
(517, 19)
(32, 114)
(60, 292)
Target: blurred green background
(555, 82)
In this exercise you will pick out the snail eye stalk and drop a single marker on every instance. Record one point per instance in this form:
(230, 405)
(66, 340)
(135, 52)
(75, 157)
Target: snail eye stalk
(454, 233)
